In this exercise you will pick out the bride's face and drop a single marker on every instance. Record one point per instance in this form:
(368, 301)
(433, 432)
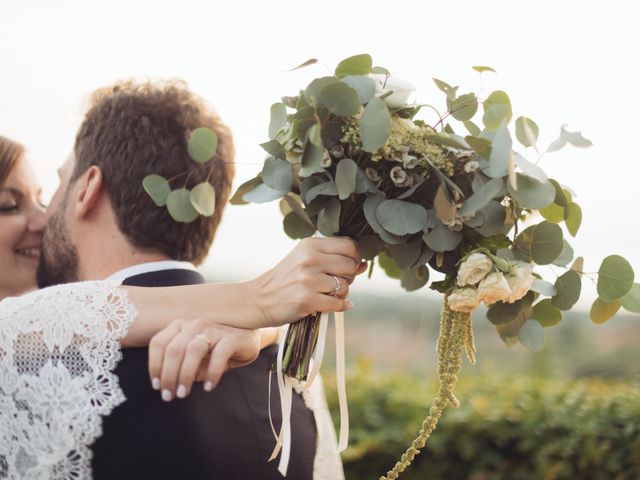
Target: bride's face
(22, 222)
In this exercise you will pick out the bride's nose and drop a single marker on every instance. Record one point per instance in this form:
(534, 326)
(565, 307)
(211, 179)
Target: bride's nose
(37, 220)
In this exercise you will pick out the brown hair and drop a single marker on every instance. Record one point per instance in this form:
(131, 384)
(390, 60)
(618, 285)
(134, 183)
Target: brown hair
(133, 130)
(10, 153)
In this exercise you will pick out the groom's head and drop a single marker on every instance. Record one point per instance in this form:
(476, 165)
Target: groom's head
(101, 212)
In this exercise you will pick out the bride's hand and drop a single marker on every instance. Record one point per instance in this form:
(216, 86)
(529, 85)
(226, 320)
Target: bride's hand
(314, 277)
(194, 350)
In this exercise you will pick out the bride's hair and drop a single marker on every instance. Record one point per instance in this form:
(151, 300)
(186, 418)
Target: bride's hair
(136, 129)
(10, 153)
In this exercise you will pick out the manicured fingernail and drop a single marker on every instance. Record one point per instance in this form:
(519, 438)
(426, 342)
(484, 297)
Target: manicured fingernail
(155, 383)
(166, 395)
(182, 391)
(208, 386)
(349, 304)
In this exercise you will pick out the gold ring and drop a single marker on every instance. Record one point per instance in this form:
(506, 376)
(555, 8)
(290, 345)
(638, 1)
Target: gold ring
(205, 339)
(336, 290)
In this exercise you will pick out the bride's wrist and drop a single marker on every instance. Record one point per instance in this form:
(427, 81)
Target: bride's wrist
(254, 303)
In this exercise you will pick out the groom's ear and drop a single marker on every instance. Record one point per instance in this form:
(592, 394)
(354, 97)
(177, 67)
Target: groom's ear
(89, 189)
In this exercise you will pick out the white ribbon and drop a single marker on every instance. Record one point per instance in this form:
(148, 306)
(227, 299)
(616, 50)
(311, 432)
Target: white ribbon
(285, 387)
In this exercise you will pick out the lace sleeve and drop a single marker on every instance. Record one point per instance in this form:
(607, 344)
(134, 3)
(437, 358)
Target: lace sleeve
(58, 349)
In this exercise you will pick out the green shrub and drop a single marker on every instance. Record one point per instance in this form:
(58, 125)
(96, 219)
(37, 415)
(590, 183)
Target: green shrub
(507, 428)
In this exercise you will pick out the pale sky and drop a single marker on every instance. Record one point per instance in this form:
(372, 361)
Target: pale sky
(561, 62)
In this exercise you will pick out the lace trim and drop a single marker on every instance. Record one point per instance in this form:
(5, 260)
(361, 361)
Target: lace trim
(58, 349)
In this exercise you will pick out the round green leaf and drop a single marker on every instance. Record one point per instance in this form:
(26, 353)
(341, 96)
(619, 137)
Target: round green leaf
(547, 243)
(500, 153)
(502, 312)
(531, 193)
(472, 128)
(262, 193)
(346, 172)
(340, 99)
(315, 135)
(389, 265)
(203, 198)
(464, 107)
(527, 131)
(278, 119)
(406, 255)
(312, 92)
(274, 148)
(370, 246)
(247, 186)
(565, 256)
(375, 125)
(325, 188)
(530, 169)
(355, 65)
(180, 207)
(615, 278)
(363, 85)
(277, 174)
(497, 110)
(553, 213)
(631, 301)
(601, 311)
(202, 144)
(532, 335)
(295, 227)
(441, 239)
(573, 218)
(370, 208)
(544, 288)
(329, 218)
(546, 313)
(401, 218)
(310, 160)
(157, 188)
(568, 286)
(414, 278)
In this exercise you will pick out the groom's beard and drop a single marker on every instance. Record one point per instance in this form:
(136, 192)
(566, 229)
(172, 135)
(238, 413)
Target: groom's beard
(59, 256)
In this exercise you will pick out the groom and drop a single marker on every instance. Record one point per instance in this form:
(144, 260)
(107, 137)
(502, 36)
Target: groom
(133, 130)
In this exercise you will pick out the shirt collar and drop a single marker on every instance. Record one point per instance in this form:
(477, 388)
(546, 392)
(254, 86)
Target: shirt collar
(121, 275)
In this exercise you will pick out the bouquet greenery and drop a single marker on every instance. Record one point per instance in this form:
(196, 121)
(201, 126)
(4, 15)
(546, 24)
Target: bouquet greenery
(348, 156)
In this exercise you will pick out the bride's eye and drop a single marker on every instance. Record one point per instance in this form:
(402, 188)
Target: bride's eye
(8, 203)
(8, 208)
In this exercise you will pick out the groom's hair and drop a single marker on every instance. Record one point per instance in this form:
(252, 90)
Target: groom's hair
(136, 129)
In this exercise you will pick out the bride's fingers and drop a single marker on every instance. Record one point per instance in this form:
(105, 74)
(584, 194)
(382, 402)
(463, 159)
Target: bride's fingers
(338, 265)
(171, 364)
(157, 346)
(220, 356)
(196, 352)
(328, 303)
(333, 285)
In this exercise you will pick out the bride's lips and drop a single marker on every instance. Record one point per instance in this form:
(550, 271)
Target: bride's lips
(32, 253)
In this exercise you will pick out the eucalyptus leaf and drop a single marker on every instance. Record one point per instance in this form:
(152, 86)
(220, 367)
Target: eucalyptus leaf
(481, 197)
(532, 335)
(527, 131)
(406, 255)
(311, 61)
(244, 188)
(497, 110)
(306, 185)
(446, 141)
(494, 215)
(363, 184)
(447, 89)
(278, 119)
(355, 65)
(565, 256)
(483, 69)
(274, 148)
(157, 188)
(310, 160)
(277, 174)
(568, 286)
(400, 217)
(500, 153)
(295, 227)
(502, 312)
(326, 188)
(203, 199)
(380, 71)
(340, 99)
(482, 146)
(601, 311)
(546, 313)
(262, 194)
(202, 144)
(472, 128)
(180, 207)
(414, 278)
(314, 135)
(293, 204)
(532, 193)
(375, 125)
(573, 218)
(530, 169)
(631, 301)
(346, 172)
(553, 213)
(389, 266)
(441, 239)
(370, 246)
(573, 138)
(463, 107)
(370, 208)
(615, 278)
(547, 243)
(312, 92)
(363, 85)
(329, 218)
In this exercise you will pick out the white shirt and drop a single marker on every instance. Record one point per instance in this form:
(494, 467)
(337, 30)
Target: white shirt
(148, 267)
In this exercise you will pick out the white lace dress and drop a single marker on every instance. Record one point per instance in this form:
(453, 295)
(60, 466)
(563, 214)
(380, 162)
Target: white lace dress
(58, 349)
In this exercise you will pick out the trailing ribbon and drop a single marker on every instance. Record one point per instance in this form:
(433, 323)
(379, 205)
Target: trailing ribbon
(285, 389)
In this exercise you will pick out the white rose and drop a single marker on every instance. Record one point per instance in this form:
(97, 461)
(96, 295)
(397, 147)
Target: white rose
(520, 281)
(474, 268)
(401, 89)
(494, 288)
(464, 300)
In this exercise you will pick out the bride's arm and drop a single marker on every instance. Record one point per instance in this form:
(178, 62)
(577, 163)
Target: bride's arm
(296, 287)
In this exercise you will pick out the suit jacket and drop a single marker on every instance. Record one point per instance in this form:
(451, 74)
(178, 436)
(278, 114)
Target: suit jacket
(223, 434)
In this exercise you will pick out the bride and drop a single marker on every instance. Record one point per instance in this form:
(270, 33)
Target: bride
(59, 345)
